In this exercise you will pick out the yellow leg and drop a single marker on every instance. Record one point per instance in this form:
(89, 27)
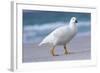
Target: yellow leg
(53, 52)
(65, 50)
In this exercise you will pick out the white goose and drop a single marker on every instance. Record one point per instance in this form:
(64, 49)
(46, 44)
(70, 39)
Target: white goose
(61, 36)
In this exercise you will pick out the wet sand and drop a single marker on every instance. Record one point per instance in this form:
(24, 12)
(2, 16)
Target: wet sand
(79, 48)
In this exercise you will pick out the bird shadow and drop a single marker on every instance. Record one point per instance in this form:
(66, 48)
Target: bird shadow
(79, 52)
(76, 52)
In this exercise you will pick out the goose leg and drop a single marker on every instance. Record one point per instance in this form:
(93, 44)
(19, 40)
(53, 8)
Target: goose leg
(53, 52)
(65, 50)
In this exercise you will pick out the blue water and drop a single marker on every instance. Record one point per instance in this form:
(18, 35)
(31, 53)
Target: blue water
(38, 24)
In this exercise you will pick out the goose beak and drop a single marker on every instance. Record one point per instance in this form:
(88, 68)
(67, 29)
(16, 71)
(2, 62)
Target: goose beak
(76, 21)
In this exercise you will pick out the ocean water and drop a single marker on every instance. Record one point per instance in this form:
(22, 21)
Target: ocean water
(38, 24)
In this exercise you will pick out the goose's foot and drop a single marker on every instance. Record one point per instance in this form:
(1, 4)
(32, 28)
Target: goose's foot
(53, 52)
(65, 51)
(55, 55)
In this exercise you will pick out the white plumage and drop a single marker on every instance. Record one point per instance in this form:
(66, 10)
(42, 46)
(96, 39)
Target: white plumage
(61, 35)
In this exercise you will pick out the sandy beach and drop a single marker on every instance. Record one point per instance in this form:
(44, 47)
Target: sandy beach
(79, 48)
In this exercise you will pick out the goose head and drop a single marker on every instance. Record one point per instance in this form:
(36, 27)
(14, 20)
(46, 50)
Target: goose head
(73, 20)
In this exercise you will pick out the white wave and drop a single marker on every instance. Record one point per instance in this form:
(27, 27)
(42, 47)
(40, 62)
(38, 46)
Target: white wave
(44, 26)
(51, 26)
(80, 24)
